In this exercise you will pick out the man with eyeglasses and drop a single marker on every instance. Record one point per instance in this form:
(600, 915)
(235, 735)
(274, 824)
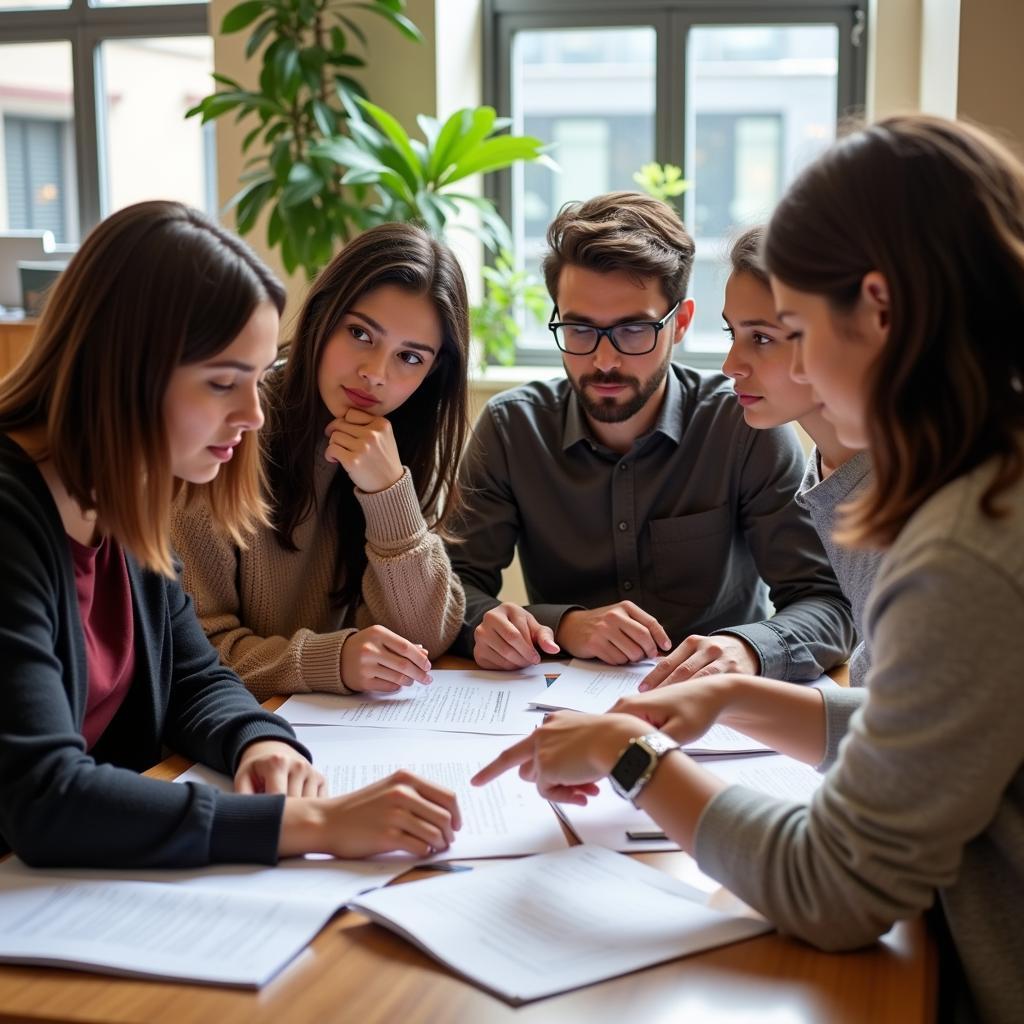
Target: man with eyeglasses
(649, 518)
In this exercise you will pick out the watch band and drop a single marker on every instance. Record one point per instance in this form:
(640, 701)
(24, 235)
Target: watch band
(637, 763)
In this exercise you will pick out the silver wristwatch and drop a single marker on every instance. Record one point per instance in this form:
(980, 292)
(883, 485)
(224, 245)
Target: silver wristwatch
(637, 762)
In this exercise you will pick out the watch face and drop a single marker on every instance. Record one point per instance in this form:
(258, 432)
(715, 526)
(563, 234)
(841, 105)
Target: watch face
(631, 766)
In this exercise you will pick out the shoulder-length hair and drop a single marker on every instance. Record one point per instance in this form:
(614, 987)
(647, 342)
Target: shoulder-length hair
(430, 426)
(937, 207)
(154, 286)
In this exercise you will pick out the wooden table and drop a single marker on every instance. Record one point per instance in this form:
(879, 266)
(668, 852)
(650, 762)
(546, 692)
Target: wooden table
(15, 339)
(358, 971)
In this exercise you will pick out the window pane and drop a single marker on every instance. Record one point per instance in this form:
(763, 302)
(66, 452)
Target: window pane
(591, 93)
(761, 103)
(37, 163)
(151, 151)
(32, 5)
(140, 3)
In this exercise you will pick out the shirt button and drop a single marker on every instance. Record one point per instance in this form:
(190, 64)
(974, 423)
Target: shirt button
(623, 465)
(628, 585)
(623, 526)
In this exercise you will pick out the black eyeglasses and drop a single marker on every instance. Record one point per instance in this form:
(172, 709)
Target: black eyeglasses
(635, 338)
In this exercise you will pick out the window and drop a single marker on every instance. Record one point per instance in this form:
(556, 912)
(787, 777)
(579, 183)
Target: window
(741, 94)
(92, 110)
(35, 155)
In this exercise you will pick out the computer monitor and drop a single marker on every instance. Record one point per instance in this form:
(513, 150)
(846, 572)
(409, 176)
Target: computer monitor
(14, 247)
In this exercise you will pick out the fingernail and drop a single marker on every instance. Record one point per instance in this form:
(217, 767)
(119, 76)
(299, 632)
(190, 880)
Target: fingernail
(642, 688)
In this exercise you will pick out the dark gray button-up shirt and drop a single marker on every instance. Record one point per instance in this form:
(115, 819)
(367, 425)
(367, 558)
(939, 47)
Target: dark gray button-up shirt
(696, 523)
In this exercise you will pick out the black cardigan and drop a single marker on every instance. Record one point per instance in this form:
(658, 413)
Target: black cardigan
(61, 806)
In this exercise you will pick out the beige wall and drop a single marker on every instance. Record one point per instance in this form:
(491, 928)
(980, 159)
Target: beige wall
(990, 69)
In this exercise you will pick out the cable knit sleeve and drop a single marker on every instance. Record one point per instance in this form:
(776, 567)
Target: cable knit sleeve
(409, 585)
(305, 662)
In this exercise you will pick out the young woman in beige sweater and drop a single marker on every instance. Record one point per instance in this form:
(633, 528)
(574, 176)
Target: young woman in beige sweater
(347, 585)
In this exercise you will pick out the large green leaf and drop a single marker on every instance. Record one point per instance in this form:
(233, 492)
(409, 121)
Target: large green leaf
(298, 192)
(244, 14)
(259, 36)
(394, 15)
(493, 155)
(481, 125)
(456, 126)
(250, 202)
(399, 139)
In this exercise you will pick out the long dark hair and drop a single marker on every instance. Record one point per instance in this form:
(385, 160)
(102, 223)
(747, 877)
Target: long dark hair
(937, 207)
(430, 426)
(154, 286)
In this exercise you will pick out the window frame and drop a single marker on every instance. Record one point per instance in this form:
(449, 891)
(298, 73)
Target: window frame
(86, 28)
(671, 21)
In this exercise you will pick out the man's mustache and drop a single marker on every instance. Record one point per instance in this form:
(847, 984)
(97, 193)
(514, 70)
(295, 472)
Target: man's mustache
(608, 378)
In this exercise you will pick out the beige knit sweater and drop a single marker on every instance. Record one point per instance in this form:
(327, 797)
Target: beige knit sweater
(268, 612)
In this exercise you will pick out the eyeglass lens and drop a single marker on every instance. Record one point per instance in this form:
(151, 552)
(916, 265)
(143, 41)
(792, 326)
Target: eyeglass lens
(632, 339)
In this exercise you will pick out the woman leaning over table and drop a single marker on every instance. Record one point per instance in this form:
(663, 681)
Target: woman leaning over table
(144, 374)
(897, 262)
(349, 587)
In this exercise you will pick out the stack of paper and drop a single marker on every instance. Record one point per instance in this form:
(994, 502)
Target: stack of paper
(236, 925)
(594, 687)
(531, 928)
(493, 703)
(608, 820)
(505, 819)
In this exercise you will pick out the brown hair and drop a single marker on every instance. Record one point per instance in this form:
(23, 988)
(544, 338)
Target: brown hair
(154, 286)
(430, 427)
(745, 255)
(626, 231)
(937, 207)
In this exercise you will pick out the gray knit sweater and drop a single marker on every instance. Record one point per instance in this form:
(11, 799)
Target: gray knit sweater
(855, 569)
(925, 798)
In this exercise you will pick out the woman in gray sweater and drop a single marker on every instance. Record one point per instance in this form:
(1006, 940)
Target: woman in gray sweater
(759, 361)
(897, 263)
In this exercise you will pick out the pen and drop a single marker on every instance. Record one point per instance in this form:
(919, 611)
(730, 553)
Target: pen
(645, 833)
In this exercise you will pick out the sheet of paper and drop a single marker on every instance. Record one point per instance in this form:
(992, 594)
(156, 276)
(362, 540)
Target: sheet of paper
(320, 878)
(534, 927)
(507, 818)
(594, 687)
(148, 929)
(607, 819)
(457, 700)
(775, 774)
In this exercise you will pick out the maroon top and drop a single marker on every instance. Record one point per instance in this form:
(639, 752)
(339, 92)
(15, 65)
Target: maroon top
(105, 607)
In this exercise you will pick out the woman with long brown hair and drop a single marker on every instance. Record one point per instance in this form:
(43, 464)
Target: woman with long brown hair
(350, 588)
(145, 374)
(897, 264)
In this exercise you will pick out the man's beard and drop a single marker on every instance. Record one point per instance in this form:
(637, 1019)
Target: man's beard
(609, 410)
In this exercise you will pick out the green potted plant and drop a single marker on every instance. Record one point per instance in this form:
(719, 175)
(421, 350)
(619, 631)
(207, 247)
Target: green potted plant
(424, 180)
(495, 321)
(327, 162)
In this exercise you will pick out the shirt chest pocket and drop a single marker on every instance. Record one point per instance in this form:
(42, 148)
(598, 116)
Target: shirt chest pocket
(691, 556)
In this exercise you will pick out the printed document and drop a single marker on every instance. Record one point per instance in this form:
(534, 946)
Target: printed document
(608, 820)
(147, 929)
(541, 925)
(507, 818)
(458, 700)
(593, 687)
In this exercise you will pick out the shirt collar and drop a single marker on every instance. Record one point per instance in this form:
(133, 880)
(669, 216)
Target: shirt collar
(669, 421)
